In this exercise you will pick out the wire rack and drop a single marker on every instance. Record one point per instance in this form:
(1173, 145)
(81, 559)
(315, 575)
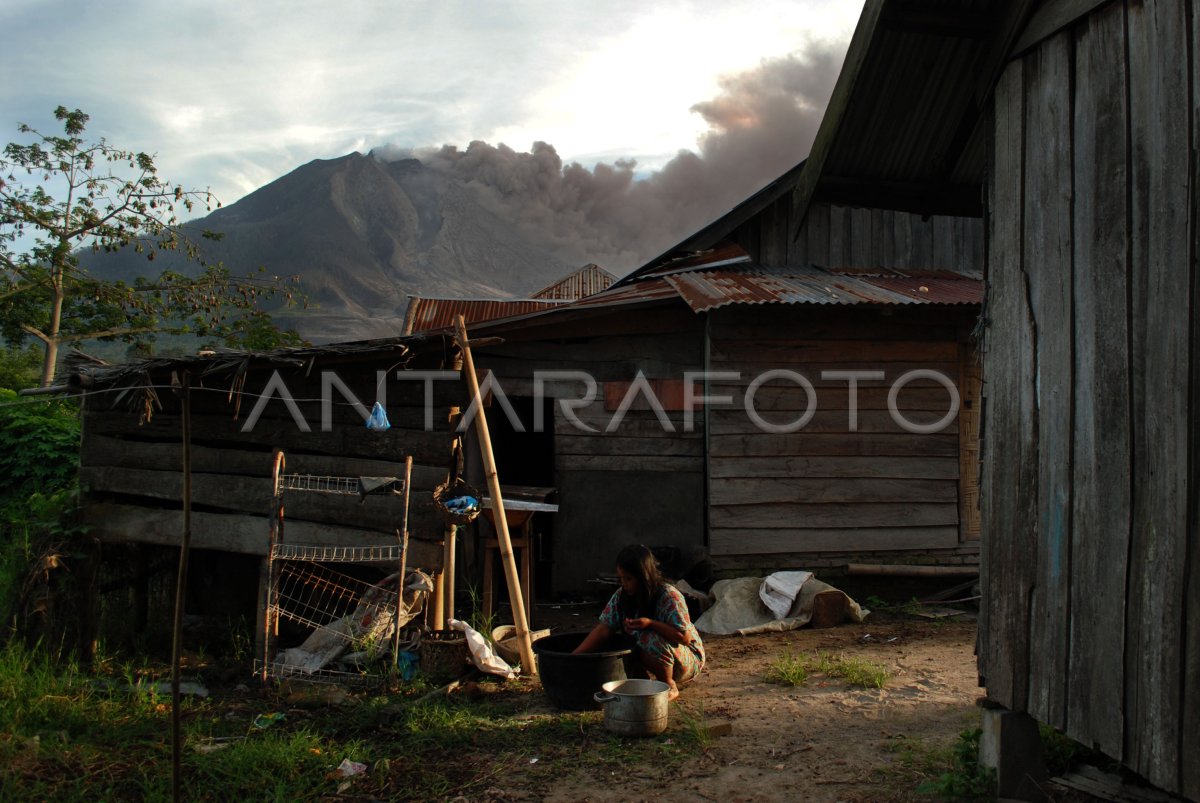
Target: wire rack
(378, 553)
(317, 596)
(280, 671)
(348, 486)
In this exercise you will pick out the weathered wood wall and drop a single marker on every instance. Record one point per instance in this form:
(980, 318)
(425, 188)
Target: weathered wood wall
(131, 474)
(636, 483)
(827, 488)
(1092, 603)
(837, 236)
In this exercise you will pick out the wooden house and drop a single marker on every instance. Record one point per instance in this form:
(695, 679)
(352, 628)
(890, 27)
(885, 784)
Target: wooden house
(760, 483)
(1075, 126)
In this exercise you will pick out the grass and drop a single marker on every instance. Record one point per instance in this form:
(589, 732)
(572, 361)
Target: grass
(792, 670)
(66, 734)
(789, 670)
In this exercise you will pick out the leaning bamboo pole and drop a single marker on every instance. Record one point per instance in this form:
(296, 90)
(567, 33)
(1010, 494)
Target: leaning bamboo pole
(524, 645)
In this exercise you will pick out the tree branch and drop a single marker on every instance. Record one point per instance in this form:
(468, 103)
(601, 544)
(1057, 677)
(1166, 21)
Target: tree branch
(38, 333)
(116, 330)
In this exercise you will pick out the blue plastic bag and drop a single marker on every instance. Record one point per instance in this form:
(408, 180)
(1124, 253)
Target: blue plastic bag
(377, 421)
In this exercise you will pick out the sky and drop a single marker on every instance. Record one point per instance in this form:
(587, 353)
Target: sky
(231, 95)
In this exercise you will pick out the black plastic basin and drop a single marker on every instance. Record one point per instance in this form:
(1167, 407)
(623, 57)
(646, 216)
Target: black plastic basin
(570, 680)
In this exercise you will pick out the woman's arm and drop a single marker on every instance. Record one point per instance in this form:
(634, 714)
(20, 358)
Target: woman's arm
(671, 634)
(600, 634)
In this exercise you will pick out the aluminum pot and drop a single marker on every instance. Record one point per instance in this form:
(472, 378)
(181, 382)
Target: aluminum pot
(634, 707)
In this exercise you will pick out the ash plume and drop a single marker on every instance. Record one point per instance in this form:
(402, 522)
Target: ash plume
(761, 124)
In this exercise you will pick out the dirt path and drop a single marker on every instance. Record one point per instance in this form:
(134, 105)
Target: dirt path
(823, 741)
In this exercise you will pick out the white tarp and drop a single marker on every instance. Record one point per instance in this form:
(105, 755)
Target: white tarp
(740, 608)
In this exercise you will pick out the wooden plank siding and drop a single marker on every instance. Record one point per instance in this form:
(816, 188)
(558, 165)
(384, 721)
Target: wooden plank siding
(132, 482)
(839, 236)
(1091, 615)
(828, 488)
(1101, 453)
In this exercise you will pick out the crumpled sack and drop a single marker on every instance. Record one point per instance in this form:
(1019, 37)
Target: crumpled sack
(480, 649)
(779, 591)
(377, 421)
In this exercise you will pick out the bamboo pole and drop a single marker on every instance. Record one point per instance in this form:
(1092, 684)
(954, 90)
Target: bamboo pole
(525, 646)
(403, 559)
(278, 464)
(448, 561)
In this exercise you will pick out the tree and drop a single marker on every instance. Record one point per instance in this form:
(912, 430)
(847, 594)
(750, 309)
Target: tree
(62, 195)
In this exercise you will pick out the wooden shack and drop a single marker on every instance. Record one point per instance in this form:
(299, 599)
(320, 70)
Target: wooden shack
(741, 303)
(311, 403)
(1076, 125)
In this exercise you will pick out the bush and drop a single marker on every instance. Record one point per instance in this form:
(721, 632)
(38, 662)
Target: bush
(39, 459)
(39, 447)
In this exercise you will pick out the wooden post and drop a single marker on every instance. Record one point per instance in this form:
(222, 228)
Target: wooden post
(448, 563)
(403, 559)
(439, 599)
(185, 543)
(524, 644)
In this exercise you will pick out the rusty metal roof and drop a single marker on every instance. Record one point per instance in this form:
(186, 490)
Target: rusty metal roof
(750, 284)
(426, 314)
(586, 281)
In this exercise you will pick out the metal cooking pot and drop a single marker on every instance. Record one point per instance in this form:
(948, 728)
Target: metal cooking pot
(634, 707)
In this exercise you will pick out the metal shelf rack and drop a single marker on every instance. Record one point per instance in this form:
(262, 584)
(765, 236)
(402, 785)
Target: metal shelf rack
(303, 588)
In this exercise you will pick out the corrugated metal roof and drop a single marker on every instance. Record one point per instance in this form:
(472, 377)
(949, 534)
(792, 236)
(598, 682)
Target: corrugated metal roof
(649, 290)
(588, 280)
(710, 289)
(425, 314)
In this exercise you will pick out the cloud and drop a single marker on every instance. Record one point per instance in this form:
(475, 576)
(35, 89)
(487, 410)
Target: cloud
(761, 124)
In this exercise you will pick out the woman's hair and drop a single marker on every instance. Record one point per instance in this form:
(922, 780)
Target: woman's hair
(638, 562)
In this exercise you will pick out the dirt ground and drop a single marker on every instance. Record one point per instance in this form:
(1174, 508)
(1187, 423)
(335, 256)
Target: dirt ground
(822, 741)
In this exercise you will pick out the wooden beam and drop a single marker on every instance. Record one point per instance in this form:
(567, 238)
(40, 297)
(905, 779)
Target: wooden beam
(1050, 18)
(231, 532)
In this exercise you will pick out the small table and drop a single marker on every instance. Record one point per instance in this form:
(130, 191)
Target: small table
(520, 505)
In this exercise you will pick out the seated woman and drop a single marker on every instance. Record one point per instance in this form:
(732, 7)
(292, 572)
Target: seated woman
(655, 615)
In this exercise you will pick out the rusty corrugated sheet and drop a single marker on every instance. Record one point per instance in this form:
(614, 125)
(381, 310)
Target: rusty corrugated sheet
(709, 289)
(641, 292)
(588, 280)
(425, 314)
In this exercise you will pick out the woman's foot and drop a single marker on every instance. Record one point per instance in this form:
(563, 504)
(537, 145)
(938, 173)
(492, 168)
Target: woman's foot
(672, 692)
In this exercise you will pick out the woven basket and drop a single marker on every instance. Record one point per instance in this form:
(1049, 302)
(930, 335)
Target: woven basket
(443, 654)
(449, 490)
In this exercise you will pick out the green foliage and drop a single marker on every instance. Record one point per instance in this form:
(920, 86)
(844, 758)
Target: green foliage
(257, 332)
(966, 780)
(791, 670)
(61, 194)
(39, 456)
(39, 446)
(19, 367)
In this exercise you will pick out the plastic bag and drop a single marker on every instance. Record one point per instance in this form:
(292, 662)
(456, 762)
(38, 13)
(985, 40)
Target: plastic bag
(377, 421)
(481, 651)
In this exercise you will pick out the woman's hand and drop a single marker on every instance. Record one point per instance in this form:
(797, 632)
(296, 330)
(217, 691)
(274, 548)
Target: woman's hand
(640, 623)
